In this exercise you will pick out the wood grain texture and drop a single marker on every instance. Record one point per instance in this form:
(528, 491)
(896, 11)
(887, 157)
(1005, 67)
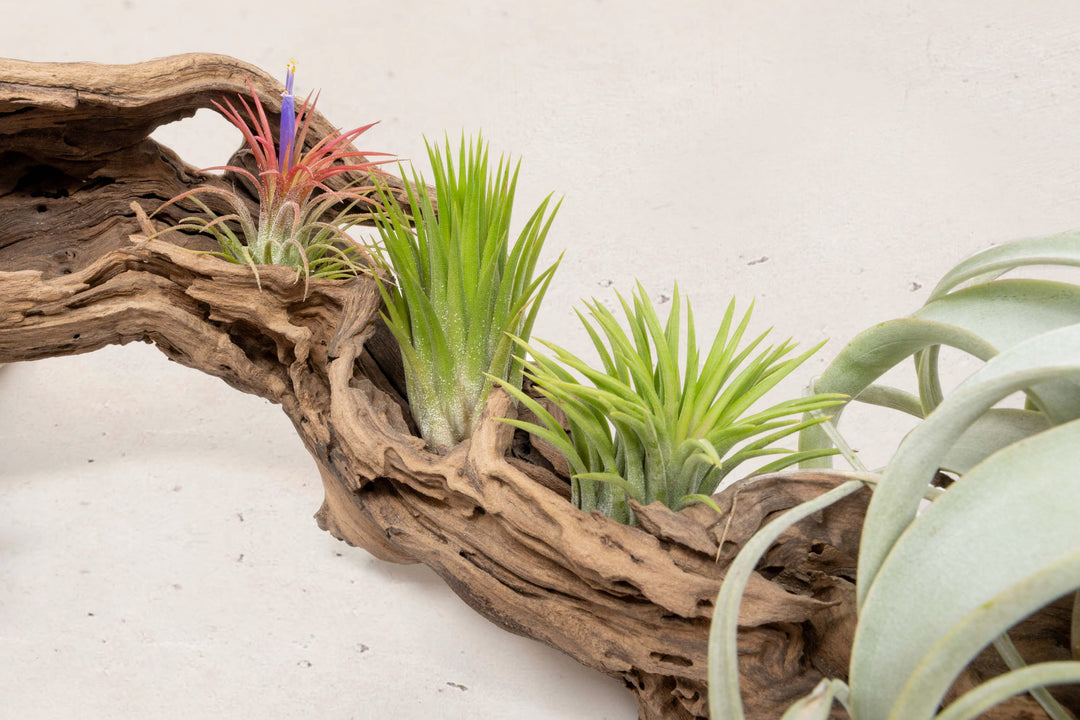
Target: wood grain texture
(491, 516)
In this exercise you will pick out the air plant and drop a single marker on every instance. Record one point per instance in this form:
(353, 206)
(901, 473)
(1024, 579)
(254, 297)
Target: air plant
(649, 430)
(460, 289)
(294, 198)
(986, 552)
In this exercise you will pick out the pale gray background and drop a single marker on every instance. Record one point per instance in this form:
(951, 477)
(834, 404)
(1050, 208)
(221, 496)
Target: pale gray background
(827, 159)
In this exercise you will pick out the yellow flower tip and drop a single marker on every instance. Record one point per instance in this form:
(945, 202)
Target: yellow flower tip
(290, 67)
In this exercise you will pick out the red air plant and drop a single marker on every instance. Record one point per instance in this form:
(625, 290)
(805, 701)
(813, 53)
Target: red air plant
(293, 194)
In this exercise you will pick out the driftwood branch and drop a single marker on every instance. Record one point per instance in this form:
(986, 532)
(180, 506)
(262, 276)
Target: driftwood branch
(78, 272)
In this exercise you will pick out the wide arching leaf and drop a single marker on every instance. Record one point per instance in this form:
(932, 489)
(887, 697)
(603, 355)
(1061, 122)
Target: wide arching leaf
(1000, 544)
(1053, 355)
(980, 699)
(994, 430)
(981, 321)
(1004, 313)
(725, 702)
(873, 353)
(1061, 249)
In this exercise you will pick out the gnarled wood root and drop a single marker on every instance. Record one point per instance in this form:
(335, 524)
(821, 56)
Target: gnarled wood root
(78, 272)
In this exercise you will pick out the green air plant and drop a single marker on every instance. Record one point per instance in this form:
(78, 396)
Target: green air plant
(649, 430)
(995, 546)
(460, 290)
(294, 198)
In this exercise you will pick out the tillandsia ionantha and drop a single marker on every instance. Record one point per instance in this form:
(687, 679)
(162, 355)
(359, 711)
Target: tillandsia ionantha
(294, 198)
(460, 289)
(648, 430)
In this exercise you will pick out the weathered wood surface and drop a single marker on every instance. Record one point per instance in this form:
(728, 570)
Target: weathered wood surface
(490, 516)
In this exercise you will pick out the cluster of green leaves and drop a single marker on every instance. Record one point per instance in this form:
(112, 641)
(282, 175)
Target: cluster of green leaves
(460, 290)
(999, 544)
(650, 429)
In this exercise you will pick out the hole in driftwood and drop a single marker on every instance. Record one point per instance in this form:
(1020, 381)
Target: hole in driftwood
(672, 659)
(44, 181)
(204, 140)
(255, 343)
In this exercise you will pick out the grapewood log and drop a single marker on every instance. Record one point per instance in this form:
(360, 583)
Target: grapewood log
(79, 270)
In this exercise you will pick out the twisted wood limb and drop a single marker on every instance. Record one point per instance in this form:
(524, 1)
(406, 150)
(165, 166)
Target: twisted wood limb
(78, 272)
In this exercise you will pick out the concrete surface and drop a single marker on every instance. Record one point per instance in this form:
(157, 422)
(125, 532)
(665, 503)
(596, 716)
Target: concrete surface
(828, 160)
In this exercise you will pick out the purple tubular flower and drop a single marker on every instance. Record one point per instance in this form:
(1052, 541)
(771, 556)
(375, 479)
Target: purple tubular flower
(288, 121)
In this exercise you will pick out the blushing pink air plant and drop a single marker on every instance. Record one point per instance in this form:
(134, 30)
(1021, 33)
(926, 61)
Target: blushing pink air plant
(293, 193)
